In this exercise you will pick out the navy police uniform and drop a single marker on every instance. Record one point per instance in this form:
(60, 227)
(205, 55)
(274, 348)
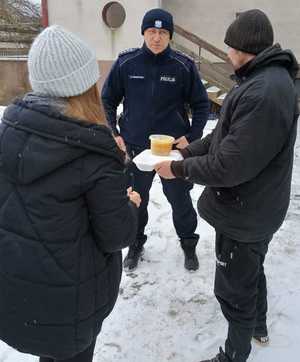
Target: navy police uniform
(157, 91)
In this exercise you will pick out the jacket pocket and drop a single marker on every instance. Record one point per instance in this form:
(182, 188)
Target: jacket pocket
(225, 249)
(228, 263)
(227, 196)
(93, 295)
(34, 303)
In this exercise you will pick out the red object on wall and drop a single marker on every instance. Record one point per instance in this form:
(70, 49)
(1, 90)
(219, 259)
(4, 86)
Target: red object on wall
(45, 17)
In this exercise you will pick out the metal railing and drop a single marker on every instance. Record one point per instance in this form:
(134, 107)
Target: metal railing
(9, 53)
(201, 43)
(216, 73)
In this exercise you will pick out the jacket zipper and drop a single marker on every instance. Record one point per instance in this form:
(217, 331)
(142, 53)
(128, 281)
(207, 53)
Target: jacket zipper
(153, 74)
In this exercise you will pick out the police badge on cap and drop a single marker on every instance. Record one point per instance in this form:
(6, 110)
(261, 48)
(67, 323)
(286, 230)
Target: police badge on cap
(158, 24)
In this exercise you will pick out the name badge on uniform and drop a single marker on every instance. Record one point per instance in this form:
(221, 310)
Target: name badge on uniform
(136, 77)
(158, 24)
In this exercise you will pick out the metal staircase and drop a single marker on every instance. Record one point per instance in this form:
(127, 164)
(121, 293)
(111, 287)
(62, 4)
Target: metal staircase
(215, 75)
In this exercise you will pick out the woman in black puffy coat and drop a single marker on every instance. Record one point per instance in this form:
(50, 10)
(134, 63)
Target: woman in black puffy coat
(65, 213)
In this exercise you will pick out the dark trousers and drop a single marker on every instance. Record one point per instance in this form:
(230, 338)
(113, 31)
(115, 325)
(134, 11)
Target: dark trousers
(177, 192)
(240, 287)
(85, 356)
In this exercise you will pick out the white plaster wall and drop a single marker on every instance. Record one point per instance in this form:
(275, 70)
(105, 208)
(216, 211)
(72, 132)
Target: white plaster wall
(84, 17)
(209, 19)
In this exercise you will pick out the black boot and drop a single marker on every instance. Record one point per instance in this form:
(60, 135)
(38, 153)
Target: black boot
(220, 357)
(191, 262)
(132, 258)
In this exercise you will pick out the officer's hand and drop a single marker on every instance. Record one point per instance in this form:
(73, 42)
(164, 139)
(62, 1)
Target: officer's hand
(120, 142)
(134, 197)
(181, 142)
(164, 170)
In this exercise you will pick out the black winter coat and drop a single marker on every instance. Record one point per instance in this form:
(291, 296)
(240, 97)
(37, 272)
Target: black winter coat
(246, 163)
(64, 217)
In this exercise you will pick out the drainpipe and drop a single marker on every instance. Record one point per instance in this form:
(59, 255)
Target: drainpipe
(45, 16)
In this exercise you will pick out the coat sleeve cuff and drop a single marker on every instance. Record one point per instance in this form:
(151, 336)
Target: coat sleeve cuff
(185, 153)
(192, 137)
(177, 168)
(115, 132)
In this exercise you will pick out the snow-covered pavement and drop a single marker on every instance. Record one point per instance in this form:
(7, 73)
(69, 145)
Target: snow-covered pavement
(166, 314)
(1, 110)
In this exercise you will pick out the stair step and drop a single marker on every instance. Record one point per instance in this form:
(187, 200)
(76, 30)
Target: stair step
(213, 91)
(222, 96)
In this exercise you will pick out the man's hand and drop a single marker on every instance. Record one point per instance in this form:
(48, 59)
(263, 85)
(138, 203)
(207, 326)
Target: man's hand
(134, 197)
(164, 170)
(181, 142)
(120, 142)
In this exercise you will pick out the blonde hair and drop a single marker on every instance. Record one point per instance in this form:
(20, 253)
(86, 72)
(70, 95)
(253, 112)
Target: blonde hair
(87, 107)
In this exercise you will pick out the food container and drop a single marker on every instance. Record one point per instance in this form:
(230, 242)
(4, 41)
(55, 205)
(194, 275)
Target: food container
(161, 145)
(146, 161)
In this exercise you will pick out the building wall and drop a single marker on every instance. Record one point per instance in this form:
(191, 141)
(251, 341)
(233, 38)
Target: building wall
(85, 18)
(205, 18)
(13, 79)
(209, 19)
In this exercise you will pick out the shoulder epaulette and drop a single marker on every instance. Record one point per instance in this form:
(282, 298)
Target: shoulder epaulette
(128, 51)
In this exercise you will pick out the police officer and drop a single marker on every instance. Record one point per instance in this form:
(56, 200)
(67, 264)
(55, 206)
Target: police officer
(158, 86)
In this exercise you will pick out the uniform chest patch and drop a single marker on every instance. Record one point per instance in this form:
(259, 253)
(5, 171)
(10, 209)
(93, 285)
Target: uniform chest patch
(165, 78)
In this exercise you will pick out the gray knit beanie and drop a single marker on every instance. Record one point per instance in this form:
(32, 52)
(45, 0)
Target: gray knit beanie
(60, 64)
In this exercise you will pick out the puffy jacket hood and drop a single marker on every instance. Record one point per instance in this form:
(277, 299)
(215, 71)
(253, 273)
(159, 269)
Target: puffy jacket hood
(275, 55)
(39, 140)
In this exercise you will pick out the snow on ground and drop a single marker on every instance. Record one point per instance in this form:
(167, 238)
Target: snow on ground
(165, 313)
(1, 110)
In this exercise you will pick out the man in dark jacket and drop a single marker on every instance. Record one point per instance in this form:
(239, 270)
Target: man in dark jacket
(157, 86)
(246, 165)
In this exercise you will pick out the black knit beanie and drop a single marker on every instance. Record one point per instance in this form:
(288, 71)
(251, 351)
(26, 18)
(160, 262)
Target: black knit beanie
(158, 18)
(251, 32)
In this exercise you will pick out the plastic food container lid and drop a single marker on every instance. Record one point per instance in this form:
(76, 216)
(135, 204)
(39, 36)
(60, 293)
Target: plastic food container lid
(145, 161)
